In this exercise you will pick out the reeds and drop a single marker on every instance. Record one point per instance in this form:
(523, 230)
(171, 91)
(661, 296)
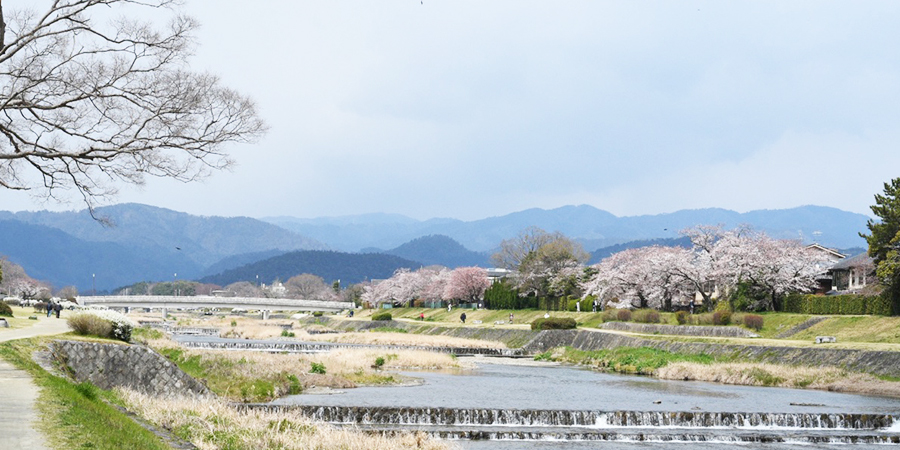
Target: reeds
(213, 424)
(760, 374)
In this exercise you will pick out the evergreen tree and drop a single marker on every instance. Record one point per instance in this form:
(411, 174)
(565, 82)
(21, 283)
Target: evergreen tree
(884, 240)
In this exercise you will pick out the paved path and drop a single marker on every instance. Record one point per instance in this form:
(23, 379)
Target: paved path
(19, 393)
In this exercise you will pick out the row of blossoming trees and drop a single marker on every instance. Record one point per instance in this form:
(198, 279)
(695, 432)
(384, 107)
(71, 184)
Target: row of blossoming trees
(748, 268)
(464, 284)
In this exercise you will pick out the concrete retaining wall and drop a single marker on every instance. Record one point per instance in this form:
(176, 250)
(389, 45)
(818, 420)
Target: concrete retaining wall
(130, 366)
(679, 330)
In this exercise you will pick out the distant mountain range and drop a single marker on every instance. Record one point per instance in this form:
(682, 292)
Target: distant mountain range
(593, 227)
(145, 243)
(349, 268)
(142, 243)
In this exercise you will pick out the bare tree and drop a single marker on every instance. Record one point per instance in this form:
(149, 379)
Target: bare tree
(86, 105)
(308, 286)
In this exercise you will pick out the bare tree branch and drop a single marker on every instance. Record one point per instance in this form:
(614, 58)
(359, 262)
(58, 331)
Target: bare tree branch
(87, 106)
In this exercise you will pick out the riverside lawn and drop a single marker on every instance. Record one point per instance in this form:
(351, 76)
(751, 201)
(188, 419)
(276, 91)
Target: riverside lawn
(80, 415)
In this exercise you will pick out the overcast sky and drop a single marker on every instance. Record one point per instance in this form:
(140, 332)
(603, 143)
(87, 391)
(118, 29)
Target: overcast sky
(470, 109)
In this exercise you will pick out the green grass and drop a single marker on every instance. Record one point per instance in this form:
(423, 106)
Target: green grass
(77, 416)
(641, 360)
(874, 329)
(388, 330)
(218, 375)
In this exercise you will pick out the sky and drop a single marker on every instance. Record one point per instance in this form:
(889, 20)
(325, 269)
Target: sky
(472, 109)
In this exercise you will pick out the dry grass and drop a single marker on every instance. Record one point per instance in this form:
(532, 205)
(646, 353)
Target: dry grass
(260, 376)
(378, 338)
(213, 424)
(759, 374)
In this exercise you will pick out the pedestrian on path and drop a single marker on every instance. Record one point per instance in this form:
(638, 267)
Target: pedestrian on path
(462, 317)
(58, 309)
(49, 308)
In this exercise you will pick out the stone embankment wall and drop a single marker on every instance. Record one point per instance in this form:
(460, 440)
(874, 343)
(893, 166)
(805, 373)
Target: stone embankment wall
(875, 362)
(129, 366)
(511, 337)
(679, 330)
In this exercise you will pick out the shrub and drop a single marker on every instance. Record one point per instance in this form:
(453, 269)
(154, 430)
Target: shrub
(89, 324)
(382, 316)
(837, 304)
(608, 315)
(623, 315)
(5, 310)
(646, 316)
(681, 317)
(753, 321)
(379, 361)
(553, 323)
(102, 323)
(721, 318)
(318, 313)
(317, 368)
(286, 333)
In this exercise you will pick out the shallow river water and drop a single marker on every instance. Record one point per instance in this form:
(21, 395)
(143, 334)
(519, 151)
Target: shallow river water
(550, 387)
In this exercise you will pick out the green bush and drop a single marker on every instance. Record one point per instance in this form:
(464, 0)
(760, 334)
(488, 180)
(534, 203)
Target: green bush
(721, 318)
(753, 321)
(646, 316)
(681, 317)
(318, 313)
(623, 315)
(286, 333)
(5, 310)
(379, 361)
(382, 316)
(553, 323)
(837, 304)
(317, 368)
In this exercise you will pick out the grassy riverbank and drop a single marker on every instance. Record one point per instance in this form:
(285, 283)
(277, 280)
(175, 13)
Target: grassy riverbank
(702, 367)
(261, 377)
(77, 415)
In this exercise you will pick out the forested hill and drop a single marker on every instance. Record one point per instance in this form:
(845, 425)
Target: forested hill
(440, 250)
(348, 267)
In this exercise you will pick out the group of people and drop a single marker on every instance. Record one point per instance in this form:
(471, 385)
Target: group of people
(53, 307)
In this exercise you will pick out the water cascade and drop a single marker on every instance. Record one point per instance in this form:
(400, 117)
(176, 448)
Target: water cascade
(587, 425)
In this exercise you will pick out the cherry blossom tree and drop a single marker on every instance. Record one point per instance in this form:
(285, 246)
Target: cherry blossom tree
(719, 260)
(467, 283)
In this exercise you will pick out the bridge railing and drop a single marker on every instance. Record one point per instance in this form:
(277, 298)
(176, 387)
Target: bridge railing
(204, 301)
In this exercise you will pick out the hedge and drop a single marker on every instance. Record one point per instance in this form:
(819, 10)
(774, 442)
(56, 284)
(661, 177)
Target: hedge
(553, 323)
(837, 304)
(382, 316)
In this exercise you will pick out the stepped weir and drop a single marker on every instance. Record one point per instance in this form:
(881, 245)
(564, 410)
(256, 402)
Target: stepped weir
(592, 425)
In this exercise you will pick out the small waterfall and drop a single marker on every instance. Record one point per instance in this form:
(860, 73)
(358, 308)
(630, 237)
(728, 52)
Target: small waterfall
(749, 420)
(619, 426)
(372, 415)
(315, 347)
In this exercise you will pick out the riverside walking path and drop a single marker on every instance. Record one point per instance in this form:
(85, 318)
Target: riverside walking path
(19, 393)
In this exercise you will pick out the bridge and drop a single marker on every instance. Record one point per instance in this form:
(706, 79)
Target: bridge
(164, 302)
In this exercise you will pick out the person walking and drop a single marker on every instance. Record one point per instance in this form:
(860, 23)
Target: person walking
(462, 317)
(58, 309)
(510, 317)
(49, 308)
